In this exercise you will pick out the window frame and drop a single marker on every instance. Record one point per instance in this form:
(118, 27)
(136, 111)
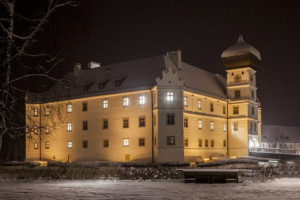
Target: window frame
(171, 141)
(69, 144)
(124, 122)
(199, 105)
(85, 144)
(47, 145)
(235, 126)
(185, 122)
(125, 142)
(104, 123)
(142, 142)
(125, 101)
(47, 111)
(170, 96)
(142, 99)
(105, 104)
(69, 108)
(36, 145)
(69, 126)
(185, 101)
(200, 125)
(170, 119)
(212, 125)
(236, 110)
(143, 118)
(85, 125)
(105, 143)
(84, 106)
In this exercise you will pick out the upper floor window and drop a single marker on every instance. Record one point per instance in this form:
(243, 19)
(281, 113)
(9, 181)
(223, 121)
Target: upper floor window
(186, 142)
(105, 124)
(170, 140)
(35, 111)
(142, 100)
(186, 122)
(206, 143)
(170, 119)
(170, 96)
(211, 107)
(69, 126)
(84, 144)
(70, 144)
(224, 127)
(84, 106)
(235, 126)
(125, 142)
(235, 110)
(255, 128)
(252, 94)
(125, 123)
(85, 125)
(237, 94)
(69, 108)
(47, 129)
(212, 143)
(125, 101)
(224, 110)
(141, 142)
(253, 112)
(199, 105)
(105, 104)
(185, 101)
(36, 145)
(47, 111)
(212, 126)
(142, 121)
(200, 124)
(200, 143)
(105, 143)
(250, 126)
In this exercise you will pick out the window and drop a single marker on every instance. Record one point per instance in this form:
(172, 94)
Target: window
(212, 126)
(224, 127)
(224, 110)
(35, 145)
(47, 145)
(170, 96)
(125, 101)
(171, 119)
(237, 94)
(235, 110)
(250, 126)
(47, 111)
(211, 107)
(212, 143)
(84, 106)
(200, 143)
(199, 105)
(235, 126)
(186, 142)
(105, 143)
(142, 121)
(105, 124)
(85, 125)
(142, 100)
(69, 108)
(84, 144)
(101, 85)
(47, 129)
(70, 145)
(125, 122)
(206, 143)
(85, 88)
(126, 142)
(224, 143)
(185, 101)
(255, 127)
(170, 140)
(69, 126)
(141, 142)
(252, 94)
(200, 124)
(154, 120)
(105, 104)
(35, 129)
(35, 111)
(186, 122)
(253, 111)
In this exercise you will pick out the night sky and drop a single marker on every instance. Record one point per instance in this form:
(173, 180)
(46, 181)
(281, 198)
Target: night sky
(115, 31)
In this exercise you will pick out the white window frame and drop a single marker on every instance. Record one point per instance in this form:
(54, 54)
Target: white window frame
(105, 104)
(125, 101)
(47, 111)
(212, 126)
(200, 123)
(69, 126)
(126, 142)
(224, 127)
(47, 129)
(170, 96)
(185, 101)
(142, 100)
(69, 108)
(70, 144)
(199, 104)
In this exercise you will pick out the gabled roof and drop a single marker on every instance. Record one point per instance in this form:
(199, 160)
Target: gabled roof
(132, 76)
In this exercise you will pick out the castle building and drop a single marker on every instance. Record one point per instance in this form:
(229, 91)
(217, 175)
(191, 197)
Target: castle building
(157, 109)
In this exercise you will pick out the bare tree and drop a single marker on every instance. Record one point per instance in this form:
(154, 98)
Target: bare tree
(20, 62)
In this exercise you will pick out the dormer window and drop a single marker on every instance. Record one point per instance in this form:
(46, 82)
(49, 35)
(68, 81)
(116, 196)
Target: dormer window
(102, 84)
(85, 88)
(119, 82)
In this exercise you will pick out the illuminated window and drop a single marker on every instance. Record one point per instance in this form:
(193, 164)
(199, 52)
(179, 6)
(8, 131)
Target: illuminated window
(142, 121)
(35, 129)
(47, 111)
(224, 143)
(105, 143)
(126, 142)
(47, 145)
(47, 129)
(84, 125)
(186, 142)
(69, 126)
(211, 107)
(235, 110)
(212, 143)
(105, 124)
(235, 126)
(170, 96)
(206, 143)
(84, 106)
(200, 124)
(84, 144)
(224, 127)
(171, 140)
(253, 111)
(69, 108)
(35, 112)
(200, 143)
(125, 101)
(35, 145)
(185, 101)
(170, 119)
(212, 127)
(237, 94)
(105, 104)
(141, 142)
(142, 100)
(224, 110)
(70, 145)
(125, 122)
(199, 105)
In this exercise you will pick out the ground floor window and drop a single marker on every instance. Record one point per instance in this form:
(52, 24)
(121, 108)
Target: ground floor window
(141, 142)
(125, 142)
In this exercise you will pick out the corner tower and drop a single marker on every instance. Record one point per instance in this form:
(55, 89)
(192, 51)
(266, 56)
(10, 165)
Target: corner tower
(244, 121)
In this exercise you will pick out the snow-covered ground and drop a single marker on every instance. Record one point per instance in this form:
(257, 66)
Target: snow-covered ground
(284, 188)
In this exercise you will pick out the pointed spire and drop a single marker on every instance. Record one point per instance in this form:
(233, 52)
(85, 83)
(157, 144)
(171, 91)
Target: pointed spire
(240, 39)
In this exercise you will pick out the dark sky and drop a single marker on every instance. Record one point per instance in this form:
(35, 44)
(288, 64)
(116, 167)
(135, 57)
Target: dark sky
(109, 31)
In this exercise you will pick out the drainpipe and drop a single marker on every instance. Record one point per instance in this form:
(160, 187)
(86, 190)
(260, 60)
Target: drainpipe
(227, 127)
(152, 125)
(40, 132)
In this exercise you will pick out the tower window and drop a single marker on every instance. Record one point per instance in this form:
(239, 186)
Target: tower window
(47, 111)
(125, 142)
(200, 143)
(170, 96)
(35, 112)
(186, 142)
(69, 145)
(211, 107)
(170, 140)
(170, 119)
(141, 142)
(237, 94)
(212, 127)
(224, 110)
(69, 126)
(35, 145)
(235, 110)
(199, 105)
(212, 143)
(224, 127)
(206, 143)
(253, 112)
(186, 122)
(185, 101)
(200, 124)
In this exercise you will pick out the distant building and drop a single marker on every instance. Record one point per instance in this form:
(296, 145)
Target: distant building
(157, 109)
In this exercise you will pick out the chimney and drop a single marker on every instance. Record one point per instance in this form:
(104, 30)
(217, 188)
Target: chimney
(175, 56)
(92, 65)
(77, 68)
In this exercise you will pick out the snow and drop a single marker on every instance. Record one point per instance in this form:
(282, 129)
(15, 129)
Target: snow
(284, 188)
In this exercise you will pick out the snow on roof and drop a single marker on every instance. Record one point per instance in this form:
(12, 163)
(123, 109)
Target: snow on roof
(240, 48)
(270, 133)
(134, 75)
